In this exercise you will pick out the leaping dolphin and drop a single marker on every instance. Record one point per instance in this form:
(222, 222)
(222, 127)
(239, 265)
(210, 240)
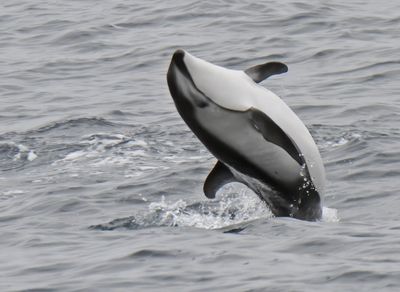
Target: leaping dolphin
(258, 140)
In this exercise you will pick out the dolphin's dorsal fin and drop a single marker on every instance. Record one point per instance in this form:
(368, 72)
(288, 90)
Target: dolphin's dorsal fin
(219, 176)
(260, 72)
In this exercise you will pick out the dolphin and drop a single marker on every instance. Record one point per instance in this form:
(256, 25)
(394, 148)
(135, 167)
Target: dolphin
(258, 140)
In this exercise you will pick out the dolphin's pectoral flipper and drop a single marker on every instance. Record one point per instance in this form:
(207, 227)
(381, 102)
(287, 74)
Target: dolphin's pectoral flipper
(274, 134)
(260, 72)
(219, 176)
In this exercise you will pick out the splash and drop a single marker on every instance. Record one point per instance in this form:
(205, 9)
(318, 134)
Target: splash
(229, 209)
(14, 155)
(330, 215)
(341, 140)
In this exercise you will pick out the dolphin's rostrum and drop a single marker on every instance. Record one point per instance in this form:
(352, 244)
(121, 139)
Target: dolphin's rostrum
(257, 139)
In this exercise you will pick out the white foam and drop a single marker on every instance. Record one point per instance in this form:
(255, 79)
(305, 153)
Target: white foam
(12, 193)
(229, 210)
(100, 148)
(75, 155)
(22, 148)
(148, 167)
(31, 156)
(140, 143)
(24, 153)
(330, 215)
(341, 141)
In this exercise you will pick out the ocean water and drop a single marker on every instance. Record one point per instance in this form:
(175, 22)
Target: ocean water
(101, 180)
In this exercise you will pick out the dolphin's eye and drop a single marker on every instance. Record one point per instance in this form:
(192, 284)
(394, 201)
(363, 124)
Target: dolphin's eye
(200, 102)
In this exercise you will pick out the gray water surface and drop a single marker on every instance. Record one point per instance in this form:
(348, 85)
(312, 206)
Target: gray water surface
(101, 180)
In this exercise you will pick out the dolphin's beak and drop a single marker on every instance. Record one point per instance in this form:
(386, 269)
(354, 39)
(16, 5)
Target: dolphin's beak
(177, 60)
(178, 55)
(176, 73)
(181, 85)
